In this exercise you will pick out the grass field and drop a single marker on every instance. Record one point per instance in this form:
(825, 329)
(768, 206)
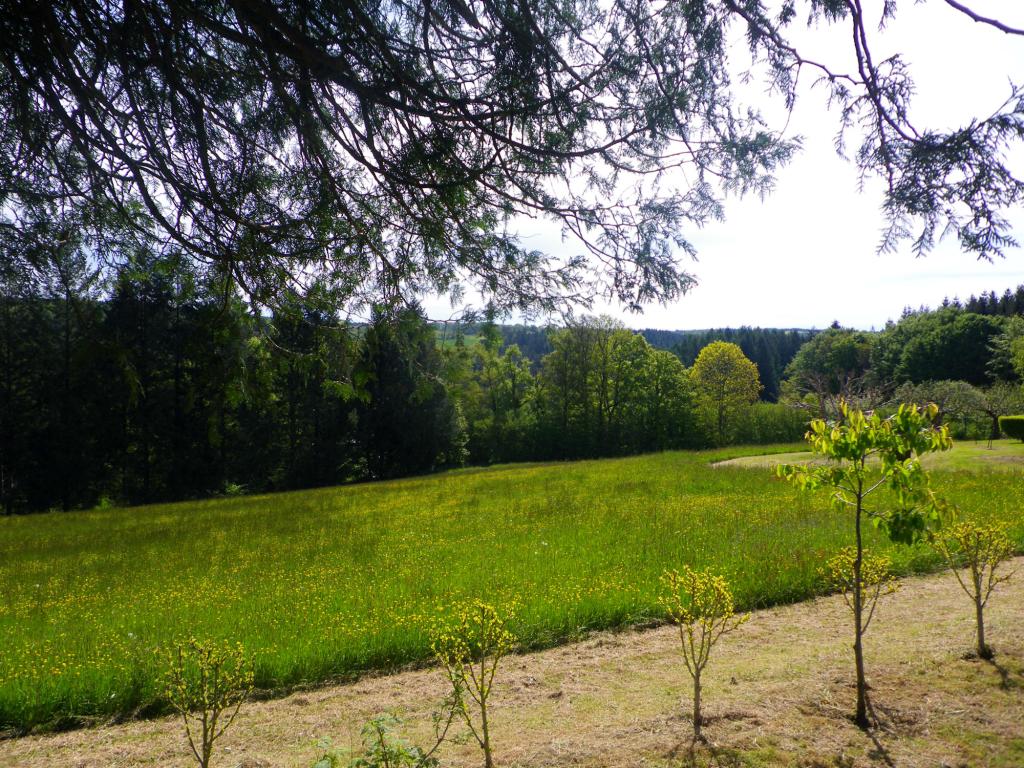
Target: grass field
(325, 583)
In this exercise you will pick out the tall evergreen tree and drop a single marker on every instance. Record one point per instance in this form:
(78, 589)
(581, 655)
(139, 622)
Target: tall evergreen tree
(408, 422)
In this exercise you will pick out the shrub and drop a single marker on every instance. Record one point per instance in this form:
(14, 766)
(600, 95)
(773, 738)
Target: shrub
(1012, 426)
(980, 549)
(204, 682)
(876, 580)
(469, 649)
(701, 604)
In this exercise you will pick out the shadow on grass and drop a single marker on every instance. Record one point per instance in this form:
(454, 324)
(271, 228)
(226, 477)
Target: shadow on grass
(879, 752)
(704, 754)
(1008, 680)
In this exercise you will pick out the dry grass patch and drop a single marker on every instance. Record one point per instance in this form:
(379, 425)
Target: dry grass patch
(779, 692)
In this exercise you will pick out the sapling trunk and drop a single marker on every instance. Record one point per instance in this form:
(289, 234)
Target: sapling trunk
(484, 729)
(861, 716)
(984, 652)
(698, 718)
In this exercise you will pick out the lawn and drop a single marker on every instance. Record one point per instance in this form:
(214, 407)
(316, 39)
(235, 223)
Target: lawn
(326, 583)
(966, 456)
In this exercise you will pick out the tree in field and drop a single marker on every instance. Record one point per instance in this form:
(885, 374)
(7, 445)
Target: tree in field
(867, 454)
(206, 684)
(1001, 399)
(470, 649)
(383, 147)
(979, 550)
(725, 382)
(700, 604)
(960, 401)
(954, 400)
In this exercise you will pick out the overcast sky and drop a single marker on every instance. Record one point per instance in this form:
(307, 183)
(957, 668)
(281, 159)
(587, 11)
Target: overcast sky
(807, 255)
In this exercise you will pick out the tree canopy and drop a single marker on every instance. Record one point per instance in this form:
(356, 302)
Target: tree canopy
(832, 366)
(384, 148)
(725, 381)
(943, 344)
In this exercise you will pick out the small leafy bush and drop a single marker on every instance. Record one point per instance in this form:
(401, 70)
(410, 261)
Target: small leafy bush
(233, 489)
(382, 748)
(979, 550)
(1012, 426)
(701, 605)
(876, 580)
(206, 684)
(470, 648)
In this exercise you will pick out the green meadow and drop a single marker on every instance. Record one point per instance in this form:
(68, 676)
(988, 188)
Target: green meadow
(327, 583)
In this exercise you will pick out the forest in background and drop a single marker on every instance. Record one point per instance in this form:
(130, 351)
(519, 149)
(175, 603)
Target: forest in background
(163, 386)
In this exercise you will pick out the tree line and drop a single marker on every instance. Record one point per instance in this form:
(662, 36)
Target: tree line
(771, 349)
(1010, 303)
(970, 364)
(164, 384)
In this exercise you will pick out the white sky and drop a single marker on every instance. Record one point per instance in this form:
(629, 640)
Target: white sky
(806, 255)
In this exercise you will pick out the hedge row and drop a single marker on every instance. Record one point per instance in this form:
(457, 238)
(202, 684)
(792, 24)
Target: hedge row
(1012, 426)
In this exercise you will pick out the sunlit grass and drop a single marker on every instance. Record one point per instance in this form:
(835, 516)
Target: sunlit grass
(966, 456)
(325, 583)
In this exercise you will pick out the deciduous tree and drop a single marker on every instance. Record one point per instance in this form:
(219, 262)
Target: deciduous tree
(979, 550)
(725, 382)
(832, 367)
(867, 453)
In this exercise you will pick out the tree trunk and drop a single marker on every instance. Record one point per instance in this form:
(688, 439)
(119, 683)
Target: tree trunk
(697, 717)
(7, 413)
(861, 716)
(984, 652)
(485, 728)
(65, 409)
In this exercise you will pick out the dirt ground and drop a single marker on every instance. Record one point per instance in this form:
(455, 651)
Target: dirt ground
(778, 693)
